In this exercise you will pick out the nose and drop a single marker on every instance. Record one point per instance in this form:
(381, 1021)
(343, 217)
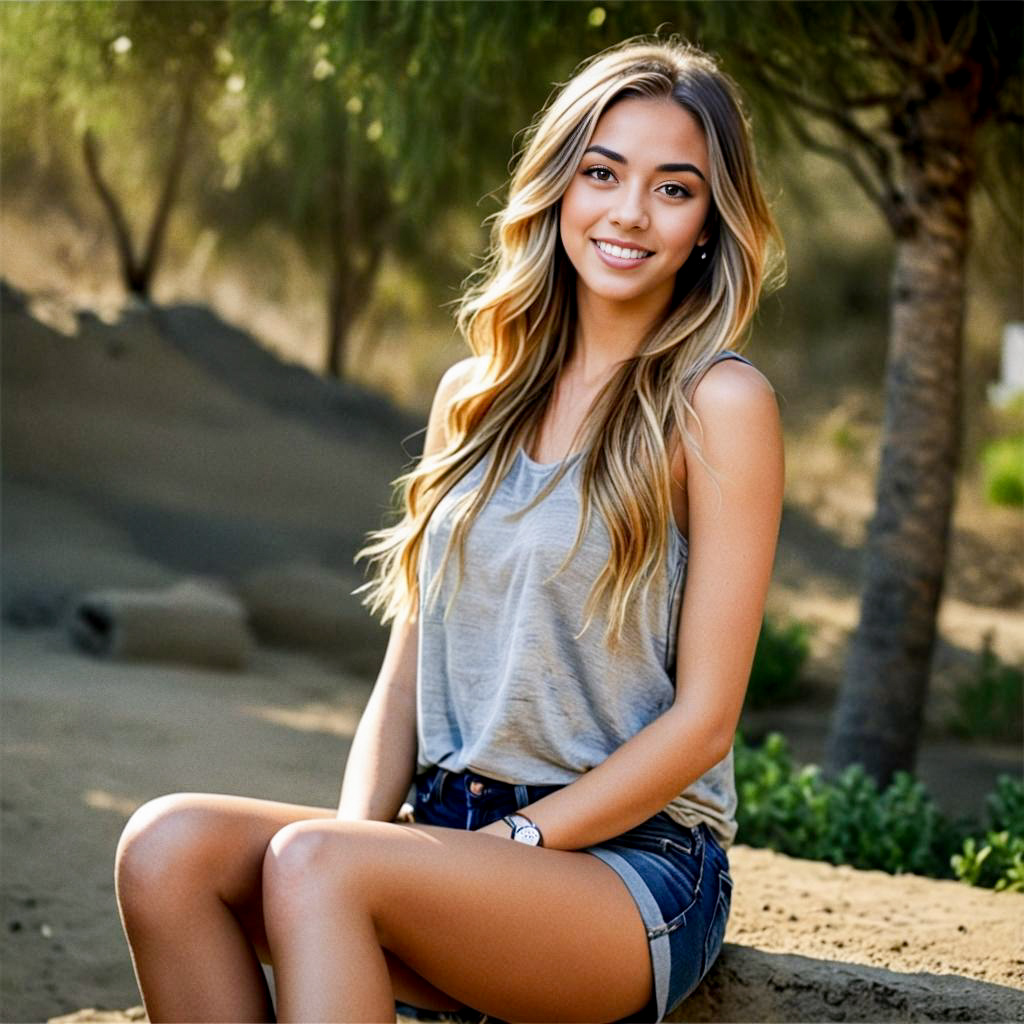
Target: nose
(631, 211)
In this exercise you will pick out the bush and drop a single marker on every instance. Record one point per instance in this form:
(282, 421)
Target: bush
(997, 860)
(992, 705)
(1003, 471)
(780, 654)
(1005, 806)
(795, 811)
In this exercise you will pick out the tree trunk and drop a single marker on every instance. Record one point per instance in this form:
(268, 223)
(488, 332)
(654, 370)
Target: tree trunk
(137, 275)
(168, 194)
(879, 714)
(339, 318)
(359, 226)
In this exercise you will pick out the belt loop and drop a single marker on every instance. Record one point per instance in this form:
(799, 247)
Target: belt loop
(442, 775)
(522, 795)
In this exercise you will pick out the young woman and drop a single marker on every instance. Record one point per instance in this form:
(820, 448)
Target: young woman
(576, 589)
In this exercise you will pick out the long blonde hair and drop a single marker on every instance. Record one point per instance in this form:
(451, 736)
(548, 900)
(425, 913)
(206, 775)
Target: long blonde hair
(518, 315)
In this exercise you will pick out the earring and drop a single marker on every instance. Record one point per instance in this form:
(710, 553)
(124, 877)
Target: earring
(704, 254)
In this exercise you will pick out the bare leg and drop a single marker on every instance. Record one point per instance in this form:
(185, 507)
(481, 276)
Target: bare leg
(188, 881)
(521, 933)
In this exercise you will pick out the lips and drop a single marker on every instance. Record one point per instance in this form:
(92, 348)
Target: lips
(618, 262)
(623, 245)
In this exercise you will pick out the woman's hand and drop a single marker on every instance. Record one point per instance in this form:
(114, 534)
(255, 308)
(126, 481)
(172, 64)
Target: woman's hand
(496, 828)
(407, 814)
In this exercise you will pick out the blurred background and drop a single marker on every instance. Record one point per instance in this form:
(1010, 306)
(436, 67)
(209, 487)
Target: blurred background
(232, 234)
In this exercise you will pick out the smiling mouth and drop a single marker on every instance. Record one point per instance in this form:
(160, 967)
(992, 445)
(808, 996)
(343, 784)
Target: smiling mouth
(620, 253)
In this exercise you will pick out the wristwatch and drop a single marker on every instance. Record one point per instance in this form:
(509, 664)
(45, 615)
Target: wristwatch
(523, 830)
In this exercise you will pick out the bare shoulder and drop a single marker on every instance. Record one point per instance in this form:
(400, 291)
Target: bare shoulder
(452, 381)
(458, 374)
(732, 398)
(731, 386)
(739, 413)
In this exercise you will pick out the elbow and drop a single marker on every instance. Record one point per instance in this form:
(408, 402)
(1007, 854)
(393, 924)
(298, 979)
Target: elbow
(722, 744)
(709, 733)
(722, 735)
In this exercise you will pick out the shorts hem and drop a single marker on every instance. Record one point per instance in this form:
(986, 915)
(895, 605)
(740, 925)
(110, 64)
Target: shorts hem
(654, 922)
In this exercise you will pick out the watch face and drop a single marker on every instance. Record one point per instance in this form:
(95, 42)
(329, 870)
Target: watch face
(527, 834)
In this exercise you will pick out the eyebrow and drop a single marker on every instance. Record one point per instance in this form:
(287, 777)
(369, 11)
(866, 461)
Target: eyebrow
(612, 155)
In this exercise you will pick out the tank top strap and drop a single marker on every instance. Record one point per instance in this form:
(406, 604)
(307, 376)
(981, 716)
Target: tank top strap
(726, 353)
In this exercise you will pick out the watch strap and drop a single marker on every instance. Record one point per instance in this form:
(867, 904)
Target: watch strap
(518, 821)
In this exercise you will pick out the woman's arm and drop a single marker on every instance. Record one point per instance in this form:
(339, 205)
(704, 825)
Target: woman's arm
(382, 760)
(732, 552)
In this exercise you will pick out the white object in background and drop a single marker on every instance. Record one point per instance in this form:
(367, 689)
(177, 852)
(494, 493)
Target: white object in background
(1011, 367)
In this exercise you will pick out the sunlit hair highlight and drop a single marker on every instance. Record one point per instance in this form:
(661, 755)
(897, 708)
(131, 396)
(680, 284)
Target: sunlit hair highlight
(518, 316)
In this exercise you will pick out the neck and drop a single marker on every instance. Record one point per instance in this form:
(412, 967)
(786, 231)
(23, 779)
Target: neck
(609, 332)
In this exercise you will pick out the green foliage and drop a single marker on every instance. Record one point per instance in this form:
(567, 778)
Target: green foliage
(847, 440)
(118, 69)
(996, 861)
(992, 704)
(780, 655)
(1003, 471)
(848, 821)
(1005, 806)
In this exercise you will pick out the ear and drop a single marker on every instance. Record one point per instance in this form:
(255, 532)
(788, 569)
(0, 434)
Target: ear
(706, 231)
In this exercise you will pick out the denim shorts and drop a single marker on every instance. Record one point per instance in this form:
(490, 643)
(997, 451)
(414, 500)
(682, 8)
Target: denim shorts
(677, 875)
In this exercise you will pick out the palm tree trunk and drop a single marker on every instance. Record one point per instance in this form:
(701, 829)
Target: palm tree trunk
(879, 714)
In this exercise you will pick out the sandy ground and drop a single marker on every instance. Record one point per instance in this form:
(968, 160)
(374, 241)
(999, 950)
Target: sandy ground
(86, 742)
(135, 456)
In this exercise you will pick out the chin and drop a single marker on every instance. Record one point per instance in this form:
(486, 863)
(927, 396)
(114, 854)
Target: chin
(624, 291)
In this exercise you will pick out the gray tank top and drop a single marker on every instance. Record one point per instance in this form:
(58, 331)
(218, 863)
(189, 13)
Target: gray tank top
(503, 688)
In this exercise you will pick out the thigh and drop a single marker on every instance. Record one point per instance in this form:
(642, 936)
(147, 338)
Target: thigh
(679, 877)
(184, 842)
(520, 933)
(218, 841)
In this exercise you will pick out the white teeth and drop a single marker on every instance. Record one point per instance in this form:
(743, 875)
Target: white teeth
(623, 254)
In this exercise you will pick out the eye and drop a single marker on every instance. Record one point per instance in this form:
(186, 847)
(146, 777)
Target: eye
(594, 173)
(591, 172)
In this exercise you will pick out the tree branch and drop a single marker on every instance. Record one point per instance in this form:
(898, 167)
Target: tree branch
(927, 32)
(885, 196)
(179, 152)
(122, 235)
(876, 152)
(876, 33)
(952, 53)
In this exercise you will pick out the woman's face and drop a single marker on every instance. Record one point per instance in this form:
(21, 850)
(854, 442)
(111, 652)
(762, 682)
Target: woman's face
(643, 184)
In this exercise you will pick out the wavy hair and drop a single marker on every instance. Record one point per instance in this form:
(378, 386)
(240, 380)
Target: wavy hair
(517, 313)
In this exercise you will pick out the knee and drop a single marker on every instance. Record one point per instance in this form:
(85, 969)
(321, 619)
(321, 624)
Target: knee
(159, 844)
(304, 860)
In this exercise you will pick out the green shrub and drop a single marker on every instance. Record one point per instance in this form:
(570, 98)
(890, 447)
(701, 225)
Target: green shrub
(792, 809)
(778, 658)
(1005, 806)
(992, 705)
(995, 862)
(1003, 471)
